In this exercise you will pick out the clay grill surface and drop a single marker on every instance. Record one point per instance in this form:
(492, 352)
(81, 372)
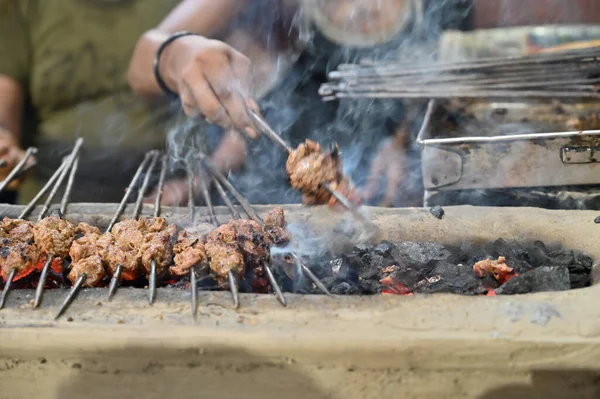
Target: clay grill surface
(381, 346)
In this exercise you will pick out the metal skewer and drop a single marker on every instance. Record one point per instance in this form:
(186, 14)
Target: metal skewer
(236, 215)
(270, 133)
(213, 217)
(194, 289)
(17, 169)
(220, 178)
(7, 286)
(72, 294)
(70, 163)
(151, 158)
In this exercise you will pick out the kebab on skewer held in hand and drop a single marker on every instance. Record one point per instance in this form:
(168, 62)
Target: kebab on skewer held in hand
(308, 168)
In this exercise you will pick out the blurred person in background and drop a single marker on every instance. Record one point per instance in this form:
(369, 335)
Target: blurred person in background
(63, 74)
(301, 42)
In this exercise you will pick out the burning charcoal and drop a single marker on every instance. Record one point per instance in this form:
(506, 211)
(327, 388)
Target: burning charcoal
(376, 261)
(561, 258)
(456, 279)
(597, 220)
(370, 274)
(544, 278)
(370, 287)
(419, 252)
(437, 212)
(348, 270)
(344, 288)
(384, 249)
(408, 276)
(362, 249)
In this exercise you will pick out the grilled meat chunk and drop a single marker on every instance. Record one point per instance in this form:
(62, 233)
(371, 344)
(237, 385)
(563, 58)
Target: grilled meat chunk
(157, 245)
(17, 229)
(275, 227)
(224, 252)
(15, 254)
(17, 248)
(86, 258)
(189, 251)
(54, 236)
(307, 167)
(93, 268)
(122, 247)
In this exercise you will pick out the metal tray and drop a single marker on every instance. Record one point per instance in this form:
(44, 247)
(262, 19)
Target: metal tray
(455, 161)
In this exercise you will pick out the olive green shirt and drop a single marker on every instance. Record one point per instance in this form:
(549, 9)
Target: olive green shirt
(72, 56)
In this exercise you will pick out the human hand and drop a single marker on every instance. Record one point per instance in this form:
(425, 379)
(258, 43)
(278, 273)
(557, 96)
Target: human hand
(10, 155)
(212, 79)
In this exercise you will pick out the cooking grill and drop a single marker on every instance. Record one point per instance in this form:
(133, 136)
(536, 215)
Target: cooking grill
(319, 345)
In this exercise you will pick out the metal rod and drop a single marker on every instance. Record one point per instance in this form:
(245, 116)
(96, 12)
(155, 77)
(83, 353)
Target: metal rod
(191, 208)
(134, 180)
(152, 282)
(267, 131)
(145, 183)
(72, 294)
(346, 203)
(234, 213)
(18, 167)
(39, 290)
(161, 185)
(114, 282)
(7, 286)
(311, 275)
(63, 175)
(275, 285)
(43, 191)
(67, 194)
(233, 289)
(207, 199)
(194, 289)
(236, 193)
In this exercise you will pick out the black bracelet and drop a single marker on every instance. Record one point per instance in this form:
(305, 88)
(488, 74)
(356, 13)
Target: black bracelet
(161, 48)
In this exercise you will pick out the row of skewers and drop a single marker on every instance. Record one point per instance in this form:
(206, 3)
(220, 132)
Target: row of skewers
(150, 247)
(570, 74)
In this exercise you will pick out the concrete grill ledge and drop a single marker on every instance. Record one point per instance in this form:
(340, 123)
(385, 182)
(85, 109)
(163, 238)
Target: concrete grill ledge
(431, 347)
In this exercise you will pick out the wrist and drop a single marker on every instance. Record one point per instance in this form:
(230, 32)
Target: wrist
(172, 54)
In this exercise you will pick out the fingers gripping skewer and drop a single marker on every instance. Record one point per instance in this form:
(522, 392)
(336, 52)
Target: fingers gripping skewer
(252, 214)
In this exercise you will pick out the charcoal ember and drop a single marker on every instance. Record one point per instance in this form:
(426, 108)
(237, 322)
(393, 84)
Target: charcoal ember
(489, 282)
(422, 253)
(437, 212)
(538, 256)
(371, 274)
(408, 276)
(384, 249)
(452, 278)
(370, 287)
(362, 249)
(597, 220)
(580, 271)
(540, 279)
(344, 288)
(348, 270)
(372, 260)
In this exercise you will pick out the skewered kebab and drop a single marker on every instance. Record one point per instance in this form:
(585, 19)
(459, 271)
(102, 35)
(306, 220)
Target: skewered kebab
(275, 219)
(307, 164)
(22, 256)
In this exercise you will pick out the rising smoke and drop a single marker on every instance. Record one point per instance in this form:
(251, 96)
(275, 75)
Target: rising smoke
(295, 109)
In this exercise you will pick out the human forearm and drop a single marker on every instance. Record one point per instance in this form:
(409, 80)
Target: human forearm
(11, 105)
(205, 17)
